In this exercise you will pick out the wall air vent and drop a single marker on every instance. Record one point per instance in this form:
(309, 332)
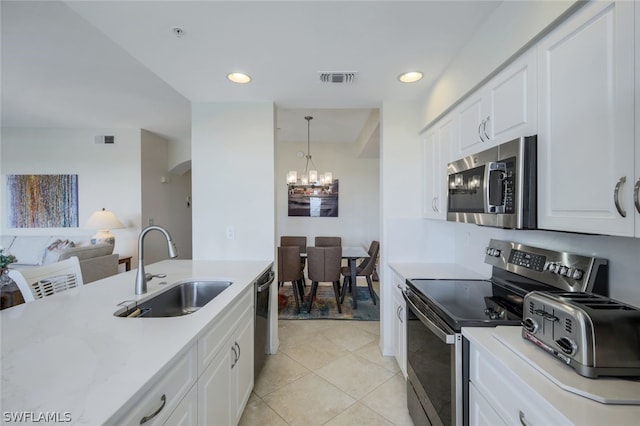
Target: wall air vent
(338, 77)
(105, 140)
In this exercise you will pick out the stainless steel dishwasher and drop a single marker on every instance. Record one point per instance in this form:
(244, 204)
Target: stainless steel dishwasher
(261, 326)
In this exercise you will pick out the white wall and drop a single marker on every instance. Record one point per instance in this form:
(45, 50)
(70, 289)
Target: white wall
(108, 175)
(164, 200)
(358, 203)
(233, 173)
(512, 25)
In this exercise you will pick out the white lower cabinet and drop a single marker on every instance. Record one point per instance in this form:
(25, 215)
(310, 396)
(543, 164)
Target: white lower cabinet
(163, 397)
(506, 395)
(481, 413)
(226, 383)
(208, 385)
(399, 324)
(186, 413)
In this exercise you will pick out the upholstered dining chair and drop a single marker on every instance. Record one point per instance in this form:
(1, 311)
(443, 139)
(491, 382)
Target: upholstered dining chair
(324, 266)
(299, 241)
(289, 270)
(42, 281)
(328, 242)
(364, 269)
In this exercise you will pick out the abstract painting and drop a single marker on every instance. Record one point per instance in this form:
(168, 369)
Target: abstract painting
(42, 201)
(313, 200)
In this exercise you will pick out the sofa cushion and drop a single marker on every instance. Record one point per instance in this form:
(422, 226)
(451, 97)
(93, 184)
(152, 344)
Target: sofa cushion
(29, 250)
(56, 249)
(87, 252)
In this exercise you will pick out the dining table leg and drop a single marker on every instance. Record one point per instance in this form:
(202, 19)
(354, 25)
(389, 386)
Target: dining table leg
(354, 292)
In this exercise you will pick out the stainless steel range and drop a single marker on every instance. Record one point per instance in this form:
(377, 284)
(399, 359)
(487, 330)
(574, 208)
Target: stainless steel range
(438, 309)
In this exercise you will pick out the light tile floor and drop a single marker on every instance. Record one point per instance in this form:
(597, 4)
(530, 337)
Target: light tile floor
(328, 372)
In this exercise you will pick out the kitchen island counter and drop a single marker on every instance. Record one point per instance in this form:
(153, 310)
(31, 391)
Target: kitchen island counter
(69, 355)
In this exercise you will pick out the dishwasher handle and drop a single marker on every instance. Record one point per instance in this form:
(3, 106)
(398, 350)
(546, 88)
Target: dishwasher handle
(267, 283)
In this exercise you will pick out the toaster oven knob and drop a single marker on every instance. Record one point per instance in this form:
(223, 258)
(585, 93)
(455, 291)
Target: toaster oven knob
(530, 325)
(563, 270)
(567, 345)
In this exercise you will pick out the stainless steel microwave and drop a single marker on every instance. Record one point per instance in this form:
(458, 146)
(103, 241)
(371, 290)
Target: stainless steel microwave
(496, 187)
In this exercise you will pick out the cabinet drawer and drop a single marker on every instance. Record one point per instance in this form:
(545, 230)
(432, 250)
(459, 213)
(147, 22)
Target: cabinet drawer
(508, 394)
(175, 381)
(213, 339)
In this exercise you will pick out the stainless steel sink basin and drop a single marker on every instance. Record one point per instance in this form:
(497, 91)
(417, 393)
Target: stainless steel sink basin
(182, 299)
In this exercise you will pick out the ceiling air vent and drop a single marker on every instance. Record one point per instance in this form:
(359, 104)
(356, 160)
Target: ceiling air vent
(337, 77)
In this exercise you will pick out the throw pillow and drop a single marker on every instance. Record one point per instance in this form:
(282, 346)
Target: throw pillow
(55, 249)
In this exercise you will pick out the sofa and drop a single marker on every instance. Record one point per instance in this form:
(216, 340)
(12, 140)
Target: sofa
(97, 261)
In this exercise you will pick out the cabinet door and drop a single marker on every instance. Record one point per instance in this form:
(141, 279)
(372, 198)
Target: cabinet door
(513, 105)
(481, 413)
(636, 193)
(585, 139)
(242, 369)
(186, 413)
(470, 117)
(399, 330)
(436, 147)
(215, 401)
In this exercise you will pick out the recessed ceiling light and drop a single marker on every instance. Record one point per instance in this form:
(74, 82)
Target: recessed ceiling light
(410, 77)
(238, 77)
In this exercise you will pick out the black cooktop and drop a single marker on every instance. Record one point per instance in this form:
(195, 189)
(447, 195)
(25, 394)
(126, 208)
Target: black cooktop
(469, 303)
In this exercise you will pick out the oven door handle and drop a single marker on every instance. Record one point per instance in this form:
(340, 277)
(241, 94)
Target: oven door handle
(449, 339)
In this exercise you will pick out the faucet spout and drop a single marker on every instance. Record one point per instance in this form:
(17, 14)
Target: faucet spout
(141, 278)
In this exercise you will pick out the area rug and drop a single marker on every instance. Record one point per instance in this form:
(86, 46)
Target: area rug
(324, 307)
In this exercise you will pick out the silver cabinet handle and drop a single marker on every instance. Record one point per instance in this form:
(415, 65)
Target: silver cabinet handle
(435, 202)
(479, 132)
(235, 355)
(401, 312)
(145, 419)
(523, 421)
(484, 128)
(636, 195)
(616, 196)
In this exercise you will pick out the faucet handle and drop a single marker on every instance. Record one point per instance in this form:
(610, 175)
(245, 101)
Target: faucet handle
(149, 276)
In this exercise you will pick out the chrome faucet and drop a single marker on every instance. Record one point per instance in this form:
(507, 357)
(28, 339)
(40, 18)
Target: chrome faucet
(141, 277)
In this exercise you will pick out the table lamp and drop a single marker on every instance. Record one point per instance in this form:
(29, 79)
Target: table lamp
(103, 221)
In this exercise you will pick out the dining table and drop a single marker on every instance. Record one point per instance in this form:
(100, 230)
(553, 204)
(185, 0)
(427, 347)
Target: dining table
(352, 254)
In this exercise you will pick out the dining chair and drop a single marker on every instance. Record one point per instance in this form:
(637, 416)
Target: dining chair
(42, 281)
(364, 269)
(324, 266)
(328, 242)
(299, 241)
(289, 270)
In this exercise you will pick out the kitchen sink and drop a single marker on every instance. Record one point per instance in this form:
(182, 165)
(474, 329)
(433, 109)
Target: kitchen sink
(182, 299)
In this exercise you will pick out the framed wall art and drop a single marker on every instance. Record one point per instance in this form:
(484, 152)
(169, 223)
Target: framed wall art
(42, 201)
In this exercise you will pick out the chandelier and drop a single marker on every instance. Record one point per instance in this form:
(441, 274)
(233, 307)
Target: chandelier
(310, 176)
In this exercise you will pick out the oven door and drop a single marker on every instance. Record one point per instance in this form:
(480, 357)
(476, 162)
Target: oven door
(434, 366)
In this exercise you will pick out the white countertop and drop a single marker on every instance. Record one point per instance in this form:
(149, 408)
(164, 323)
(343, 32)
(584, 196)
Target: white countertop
(67, 353)
(579, 409)
(445, 271)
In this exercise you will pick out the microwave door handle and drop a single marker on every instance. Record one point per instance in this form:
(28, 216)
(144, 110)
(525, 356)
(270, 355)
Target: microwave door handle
(494, 167)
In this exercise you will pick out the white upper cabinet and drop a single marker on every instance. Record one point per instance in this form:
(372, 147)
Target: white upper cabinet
(436, 152)
(636, 189)
(586, 122)
(502, 110)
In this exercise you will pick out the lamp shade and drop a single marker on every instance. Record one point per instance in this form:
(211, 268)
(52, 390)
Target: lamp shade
(103, 221)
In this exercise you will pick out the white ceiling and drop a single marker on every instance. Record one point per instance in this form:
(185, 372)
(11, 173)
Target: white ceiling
(118, 63)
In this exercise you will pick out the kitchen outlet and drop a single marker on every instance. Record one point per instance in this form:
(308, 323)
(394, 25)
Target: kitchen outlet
(231, 232)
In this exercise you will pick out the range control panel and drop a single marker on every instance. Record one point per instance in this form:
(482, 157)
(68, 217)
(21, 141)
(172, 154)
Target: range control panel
(567, 271)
